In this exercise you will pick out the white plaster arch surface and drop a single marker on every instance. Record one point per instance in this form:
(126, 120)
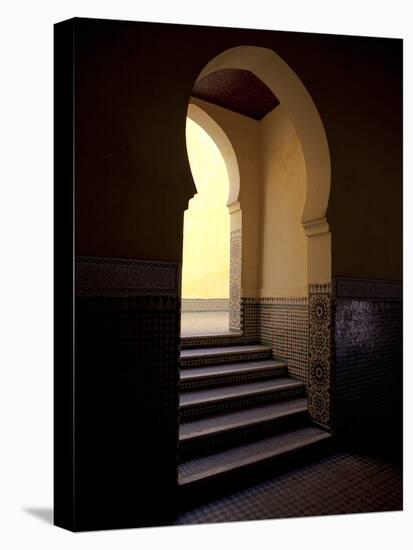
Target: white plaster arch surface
(292, 94)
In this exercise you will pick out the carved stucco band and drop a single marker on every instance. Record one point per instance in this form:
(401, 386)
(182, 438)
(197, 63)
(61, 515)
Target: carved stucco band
(122, 277)
(235, 281)
(319, 353)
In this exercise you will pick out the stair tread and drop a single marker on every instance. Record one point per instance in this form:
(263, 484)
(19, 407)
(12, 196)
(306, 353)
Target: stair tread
(224, 350)
(225, 461)
(238, 419)
(230, 368)
(210, 395)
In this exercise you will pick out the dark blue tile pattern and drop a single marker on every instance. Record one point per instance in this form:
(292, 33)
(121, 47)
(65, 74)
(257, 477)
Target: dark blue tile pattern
(368, 364)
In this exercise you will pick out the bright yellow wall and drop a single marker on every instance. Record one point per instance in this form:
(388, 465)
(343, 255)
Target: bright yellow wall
(284, 242)
(205, 269)
(272, 196)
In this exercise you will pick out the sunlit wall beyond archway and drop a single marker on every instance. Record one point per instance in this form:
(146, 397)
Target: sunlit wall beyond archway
(206, 245)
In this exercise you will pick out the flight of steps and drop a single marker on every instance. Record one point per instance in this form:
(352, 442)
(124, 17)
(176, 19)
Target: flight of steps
(239, 411)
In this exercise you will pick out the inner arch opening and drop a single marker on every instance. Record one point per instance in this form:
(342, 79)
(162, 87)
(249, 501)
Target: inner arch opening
(206, 239)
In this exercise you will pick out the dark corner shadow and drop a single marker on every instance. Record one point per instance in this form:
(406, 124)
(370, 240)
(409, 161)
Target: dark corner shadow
(45, 514)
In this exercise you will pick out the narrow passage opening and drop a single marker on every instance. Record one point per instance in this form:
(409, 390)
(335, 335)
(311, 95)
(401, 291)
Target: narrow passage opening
(206, 239)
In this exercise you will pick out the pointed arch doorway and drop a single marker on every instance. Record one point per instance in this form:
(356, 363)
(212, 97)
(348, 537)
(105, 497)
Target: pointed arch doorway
(284, 247)
(211, 285)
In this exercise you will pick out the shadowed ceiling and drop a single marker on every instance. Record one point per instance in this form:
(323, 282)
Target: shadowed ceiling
(238, 90)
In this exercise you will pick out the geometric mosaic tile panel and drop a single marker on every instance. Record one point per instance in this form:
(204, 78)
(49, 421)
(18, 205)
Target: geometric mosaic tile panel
(250, 319)
(319, 354)
(283, 323)
(235, 280)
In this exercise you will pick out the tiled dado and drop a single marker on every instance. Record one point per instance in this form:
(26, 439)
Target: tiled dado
(135, 306)
(298, 330)
(127, 374)
(250, 319)
(368, 356)
(283, 322)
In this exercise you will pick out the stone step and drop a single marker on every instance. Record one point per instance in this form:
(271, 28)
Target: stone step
(197, 377)
(232, 428)
(235, 396)
(233, 461)
(224, 354)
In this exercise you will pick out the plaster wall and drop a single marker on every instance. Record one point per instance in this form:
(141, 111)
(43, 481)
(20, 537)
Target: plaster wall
(283, 242)
(272, 196)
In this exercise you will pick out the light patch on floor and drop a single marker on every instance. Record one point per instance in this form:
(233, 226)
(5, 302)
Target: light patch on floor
(194, 323)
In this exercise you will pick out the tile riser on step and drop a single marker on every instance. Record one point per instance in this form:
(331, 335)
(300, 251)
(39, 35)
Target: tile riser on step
(196, 342)
(200, 410)
(224, 359)
(216, 380)
(215, 442)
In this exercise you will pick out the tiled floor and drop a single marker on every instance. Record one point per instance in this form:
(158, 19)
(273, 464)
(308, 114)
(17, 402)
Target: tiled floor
(205, 322)
(342, 483)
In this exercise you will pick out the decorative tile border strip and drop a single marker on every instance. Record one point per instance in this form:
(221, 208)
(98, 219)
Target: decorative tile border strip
(116, 277)
(288, 301)
(320, 288)
(144, 303)
(204, 304)
(235, 280)
(349, 287)
(319, 354)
